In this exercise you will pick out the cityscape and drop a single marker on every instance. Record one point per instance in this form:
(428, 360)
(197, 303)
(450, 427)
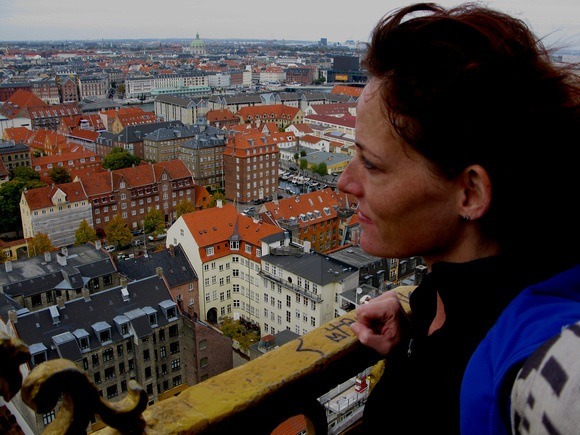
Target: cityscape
(170, 211)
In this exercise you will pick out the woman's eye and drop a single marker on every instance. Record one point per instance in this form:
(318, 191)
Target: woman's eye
(368, 164)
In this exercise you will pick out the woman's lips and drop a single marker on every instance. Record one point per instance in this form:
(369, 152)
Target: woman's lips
(363, 218)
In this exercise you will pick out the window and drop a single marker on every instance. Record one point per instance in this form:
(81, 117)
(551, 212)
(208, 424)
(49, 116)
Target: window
(146, 356)
(161, 334)
(95, 360)
(209, 251)
(147, 372)
(48, 417)
(121, 367)
(175, 365)
(129, 346)
(109, 373)
(203, 344)
(203, 362)
(288, 316)
(97, 377)
(177, 381)
(288, 300)
(174, 348)
(123, 386)
(248, 249)
(108, 355)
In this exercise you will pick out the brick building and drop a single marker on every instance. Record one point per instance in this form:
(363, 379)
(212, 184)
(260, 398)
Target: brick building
(251, 167)
(14, 155)
(132, 192)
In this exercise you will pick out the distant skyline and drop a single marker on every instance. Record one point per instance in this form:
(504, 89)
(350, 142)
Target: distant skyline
(558, 21)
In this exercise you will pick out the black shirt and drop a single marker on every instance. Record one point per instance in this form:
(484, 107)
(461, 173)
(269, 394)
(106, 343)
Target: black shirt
(419, 391)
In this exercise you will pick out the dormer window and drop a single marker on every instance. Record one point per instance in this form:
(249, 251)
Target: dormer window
(83, 339)
(169, 309)
(235, 245)
(151, 315)
(209, 251)
(103, 332)
(37, 353)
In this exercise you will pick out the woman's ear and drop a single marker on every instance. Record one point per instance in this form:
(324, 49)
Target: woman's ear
(476, 198)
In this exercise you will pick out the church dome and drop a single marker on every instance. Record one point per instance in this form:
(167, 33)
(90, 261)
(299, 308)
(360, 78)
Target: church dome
(197, 46)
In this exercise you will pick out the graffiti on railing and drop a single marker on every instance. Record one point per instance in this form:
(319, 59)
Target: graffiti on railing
(339, 326)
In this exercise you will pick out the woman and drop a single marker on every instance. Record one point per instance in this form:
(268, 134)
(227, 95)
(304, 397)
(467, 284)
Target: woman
(467, 149)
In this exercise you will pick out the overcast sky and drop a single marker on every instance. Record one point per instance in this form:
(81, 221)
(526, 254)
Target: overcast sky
(337, 20)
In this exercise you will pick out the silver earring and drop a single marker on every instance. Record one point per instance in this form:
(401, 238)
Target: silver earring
(465, 218)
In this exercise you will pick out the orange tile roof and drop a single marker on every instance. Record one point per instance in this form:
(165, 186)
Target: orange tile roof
(136, 119)
(112, 113)
(350, 91)
(304, 128)
(41, 197)
(293, 426)
(214, 227)
(295, 206)
(18, 134)
(83, 153)
(221, 115)
(264, 111)
(82, 133)
(345, 121)
(23, 98)
(202, 197)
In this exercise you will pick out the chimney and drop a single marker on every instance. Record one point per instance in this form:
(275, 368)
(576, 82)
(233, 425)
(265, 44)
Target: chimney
(123, 282)
(159, 271)
(60, 302)
(64, 251)
(47, 257)
(172, 250)
(12, 316)
(8, 265)
(219, 203)
(61, 259)
(98, 245)
(86, 294)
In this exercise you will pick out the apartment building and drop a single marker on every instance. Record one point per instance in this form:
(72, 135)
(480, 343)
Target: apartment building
(46, 89)
(251, 167)
(344, 124)
(300, 288)
(221, 118)
(193, 83)
(68, 90)
(14, 155)
(56, 211)
(130, 138)
(279, 114)
(234, 102)
(36, 282)
(93, 86)
(164, 143)
(311, 217)
(82, 163)
(225, 249)
(186, 110)
(213, 351)
(123, 120)
(132, 192)
(132, 331)
(203, 156)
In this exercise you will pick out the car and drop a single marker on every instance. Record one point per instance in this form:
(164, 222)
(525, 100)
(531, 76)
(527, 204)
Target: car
(157, 237)
(110, 248)
(137, 232)
(137, 242)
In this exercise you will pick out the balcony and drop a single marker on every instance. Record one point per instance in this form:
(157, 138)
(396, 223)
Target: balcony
(313, 296)
(255, 397)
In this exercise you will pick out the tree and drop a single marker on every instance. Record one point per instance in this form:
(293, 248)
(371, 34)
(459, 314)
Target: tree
(184, 207)
(303, 164)
(321, 169)
(25, 173)
(3, 257)
(302, 153)
(85, 233)
(154, 222)
(235, 330)
(119, 158)
(39, 244)
(59, 175)
(10, 195)
(117, 232)
(214, 199)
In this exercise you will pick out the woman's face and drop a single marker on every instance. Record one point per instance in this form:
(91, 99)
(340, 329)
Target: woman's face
(405, 209)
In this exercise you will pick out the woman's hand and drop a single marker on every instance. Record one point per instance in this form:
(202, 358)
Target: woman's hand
(378, 322)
